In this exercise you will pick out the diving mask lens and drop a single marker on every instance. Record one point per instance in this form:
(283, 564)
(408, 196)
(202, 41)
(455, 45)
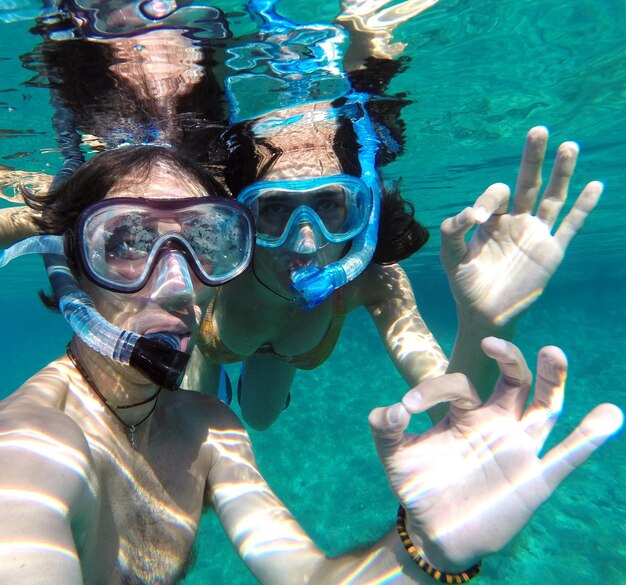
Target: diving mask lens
(338, 206)
(120, 240)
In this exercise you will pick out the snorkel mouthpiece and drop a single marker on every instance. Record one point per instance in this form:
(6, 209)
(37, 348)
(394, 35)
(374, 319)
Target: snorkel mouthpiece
(159, 362)
(313, 285)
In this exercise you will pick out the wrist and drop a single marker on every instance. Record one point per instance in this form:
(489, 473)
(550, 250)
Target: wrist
(480, 326)
(450, 573)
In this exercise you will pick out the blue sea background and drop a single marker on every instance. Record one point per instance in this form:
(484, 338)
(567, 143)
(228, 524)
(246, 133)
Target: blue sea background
(481, 74)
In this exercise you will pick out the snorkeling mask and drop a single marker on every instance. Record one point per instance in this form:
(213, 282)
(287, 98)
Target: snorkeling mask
(119, 241)
(198, 224)
(337, 208)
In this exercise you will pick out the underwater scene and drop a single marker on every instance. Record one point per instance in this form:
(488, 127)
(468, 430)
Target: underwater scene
(471, 79)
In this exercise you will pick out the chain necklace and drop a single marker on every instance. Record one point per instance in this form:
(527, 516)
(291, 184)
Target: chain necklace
(132, 429)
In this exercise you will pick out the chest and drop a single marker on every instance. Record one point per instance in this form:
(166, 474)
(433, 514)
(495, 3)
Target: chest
(146, 525)
(286, 329)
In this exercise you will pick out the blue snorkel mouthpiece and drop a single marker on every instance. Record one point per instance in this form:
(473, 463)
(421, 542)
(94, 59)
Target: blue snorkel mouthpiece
(155, 356)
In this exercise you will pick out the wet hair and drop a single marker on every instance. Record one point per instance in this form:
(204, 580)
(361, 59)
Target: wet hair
(249, 158)
(61, 206)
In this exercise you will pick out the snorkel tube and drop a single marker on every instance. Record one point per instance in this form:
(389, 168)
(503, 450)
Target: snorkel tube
(313, 284)
(154, 356)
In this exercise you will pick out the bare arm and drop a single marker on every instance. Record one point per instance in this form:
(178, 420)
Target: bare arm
(272, 543)
(46, 496)
(16, 223)
(388, 296)
(468, 485)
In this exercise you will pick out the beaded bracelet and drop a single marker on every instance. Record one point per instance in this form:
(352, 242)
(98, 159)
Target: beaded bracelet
(436, 574)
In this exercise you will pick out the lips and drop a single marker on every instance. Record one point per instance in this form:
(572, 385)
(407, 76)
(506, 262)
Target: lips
(178, 341)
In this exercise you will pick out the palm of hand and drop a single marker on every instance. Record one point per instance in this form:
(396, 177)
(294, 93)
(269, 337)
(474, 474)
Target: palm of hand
(470, 484)
(509, 261)
(478, 481)
(512, 255)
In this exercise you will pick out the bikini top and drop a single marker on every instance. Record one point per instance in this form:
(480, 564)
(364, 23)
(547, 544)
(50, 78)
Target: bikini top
(212, 348)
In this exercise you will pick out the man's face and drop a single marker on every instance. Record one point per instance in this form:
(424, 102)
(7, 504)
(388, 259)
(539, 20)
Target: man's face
(173, 299)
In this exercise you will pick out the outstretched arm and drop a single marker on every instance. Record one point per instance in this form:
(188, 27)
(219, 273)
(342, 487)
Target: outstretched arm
(388, 296)
(48, 496)
(468, 485)
(512, 253)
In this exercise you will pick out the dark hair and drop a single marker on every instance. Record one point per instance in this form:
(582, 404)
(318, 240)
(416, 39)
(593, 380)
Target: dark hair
(399, 234)
(62, 205)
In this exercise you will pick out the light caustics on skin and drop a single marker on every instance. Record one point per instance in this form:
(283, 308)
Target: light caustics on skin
(255, 534)
(518, 307)
(16, 547)
(409, 337)
(20, 496)
(45, 446)
(100, 448)
(14, 182)
(371, 561)
(154, 561)
(489, 451)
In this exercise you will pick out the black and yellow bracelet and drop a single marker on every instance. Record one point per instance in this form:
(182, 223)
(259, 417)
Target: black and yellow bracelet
(436, 574)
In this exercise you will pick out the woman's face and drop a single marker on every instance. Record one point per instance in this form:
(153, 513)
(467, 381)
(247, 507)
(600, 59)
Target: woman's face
(173, 299)
(306, 246)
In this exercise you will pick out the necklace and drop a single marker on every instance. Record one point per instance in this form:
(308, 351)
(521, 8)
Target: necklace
(132, 429)
(289, 299)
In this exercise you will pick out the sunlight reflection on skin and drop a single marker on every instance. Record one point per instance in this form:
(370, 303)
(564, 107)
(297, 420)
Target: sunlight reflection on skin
(168, 562)
(255, 534)
(483, 450)
(408, 338)
(22, 495)
(504, 316)
(365, 566)
(35, 547)
(13, 182)
(376, 22)
(45, 446)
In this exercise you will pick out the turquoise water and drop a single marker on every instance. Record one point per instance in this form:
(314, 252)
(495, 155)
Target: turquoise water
(481, 74)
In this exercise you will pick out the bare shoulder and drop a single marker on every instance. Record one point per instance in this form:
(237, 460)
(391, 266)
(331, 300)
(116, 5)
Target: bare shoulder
(204, 410)
(376, 284)
(39, 441)
(48, 486)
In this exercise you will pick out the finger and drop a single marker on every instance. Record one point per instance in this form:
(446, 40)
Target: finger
(602, 422)
(513, 385)
(556, 191)
(453, 231)
(388, 425)
(529, 176)
(494, 201)
(575, 219)
(456, 389)
(547, 402)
